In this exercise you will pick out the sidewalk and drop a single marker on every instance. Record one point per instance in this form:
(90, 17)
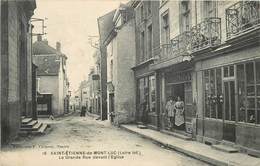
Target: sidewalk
(195, 149)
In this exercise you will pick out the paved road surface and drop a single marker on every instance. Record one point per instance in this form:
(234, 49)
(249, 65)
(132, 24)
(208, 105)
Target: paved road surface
(77, 135)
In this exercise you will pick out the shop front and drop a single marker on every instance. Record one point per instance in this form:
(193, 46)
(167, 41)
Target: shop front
(146, 95)
(146, 101)
(44, 104)
(176, 99)
(231, 99)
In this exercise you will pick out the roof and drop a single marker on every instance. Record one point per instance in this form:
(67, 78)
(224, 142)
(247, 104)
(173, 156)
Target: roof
(41, 47)
(48, 65)
(105, 26)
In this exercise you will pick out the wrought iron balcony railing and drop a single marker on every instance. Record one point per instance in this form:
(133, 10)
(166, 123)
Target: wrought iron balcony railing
(180, 44)
(203, 35)
(242, 16)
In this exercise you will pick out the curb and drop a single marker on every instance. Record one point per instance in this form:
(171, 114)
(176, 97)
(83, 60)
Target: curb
(181, 150)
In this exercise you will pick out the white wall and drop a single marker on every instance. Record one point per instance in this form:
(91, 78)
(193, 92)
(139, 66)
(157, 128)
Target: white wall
(49, 84)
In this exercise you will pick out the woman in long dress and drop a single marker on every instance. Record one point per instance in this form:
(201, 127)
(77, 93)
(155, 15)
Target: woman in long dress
(179, 114)
(170, 112)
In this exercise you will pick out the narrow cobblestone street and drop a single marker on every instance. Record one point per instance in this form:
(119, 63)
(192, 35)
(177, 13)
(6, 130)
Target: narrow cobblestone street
(76, 133)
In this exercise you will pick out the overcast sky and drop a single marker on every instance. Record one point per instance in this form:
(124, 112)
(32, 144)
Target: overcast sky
(71, 22)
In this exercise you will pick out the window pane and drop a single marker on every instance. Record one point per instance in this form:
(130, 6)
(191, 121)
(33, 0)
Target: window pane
(251, 110)
(219, 93)
(226, 71)
(250, 116)
(226, 99)
(152, 93)
(232, 101)
(146, 93)
(206, 87)
(212, 94)
(231, 71)
(250, 73)
(241, 93)
(257, 66)
(258, 110)
(250, 90)
(258, 90)
(250, 103)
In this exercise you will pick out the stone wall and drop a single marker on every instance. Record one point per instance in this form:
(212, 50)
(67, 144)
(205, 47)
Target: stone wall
(124, 78)
(14, 60)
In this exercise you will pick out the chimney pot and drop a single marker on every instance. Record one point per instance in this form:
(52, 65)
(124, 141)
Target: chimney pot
(58, 46)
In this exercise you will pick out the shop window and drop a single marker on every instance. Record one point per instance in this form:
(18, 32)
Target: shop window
(257, 66)
(231, 71)
(207, 94)
(258, 109)
(250, 74)
(219, 93)
(227, 113)
(213, 93)
(248, 92)
(241, 92)
(226, 71)
(257, 69)
(250, 87)
(232, 101)
(152, 93)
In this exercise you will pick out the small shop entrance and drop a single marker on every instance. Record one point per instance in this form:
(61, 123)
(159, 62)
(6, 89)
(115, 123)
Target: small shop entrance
(229, 130)
(173, 91)
(178, 84)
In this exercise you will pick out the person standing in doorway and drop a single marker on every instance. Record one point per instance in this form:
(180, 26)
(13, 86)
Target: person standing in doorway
(179, 114)
(170, 112)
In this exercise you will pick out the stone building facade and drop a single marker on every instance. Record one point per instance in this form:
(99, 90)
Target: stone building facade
(147, 48)
(120, 51)
(209, 57)
(16, 66)
(52, 80)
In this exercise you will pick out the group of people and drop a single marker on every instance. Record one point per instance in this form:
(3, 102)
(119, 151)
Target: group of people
(175, 113)
(83, 111)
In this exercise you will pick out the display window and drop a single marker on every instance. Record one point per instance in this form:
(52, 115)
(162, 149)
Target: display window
(213, 93)
(233, 92)
(146, 93)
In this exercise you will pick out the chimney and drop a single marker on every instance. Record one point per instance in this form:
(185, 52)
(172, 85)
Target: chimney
(39, 37)
(58, 46)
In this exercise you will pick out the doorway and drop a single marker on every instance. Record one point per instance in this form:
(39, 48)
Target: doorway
(172, 92)
(111, 107)
(229, 130)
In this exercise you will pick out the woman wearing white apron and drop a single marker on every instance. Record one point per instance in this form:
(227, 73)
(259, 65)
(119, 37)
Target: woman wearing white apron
(179, 114)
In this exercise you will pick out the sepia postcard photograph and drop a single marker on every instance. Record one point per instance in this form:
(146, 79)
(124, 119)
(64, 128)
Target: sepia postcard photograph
(130, 83)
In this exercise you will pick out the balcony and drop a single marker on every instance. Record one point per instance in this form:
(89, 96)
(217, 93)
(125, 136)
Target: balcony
(204, 35)
(241, 17)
